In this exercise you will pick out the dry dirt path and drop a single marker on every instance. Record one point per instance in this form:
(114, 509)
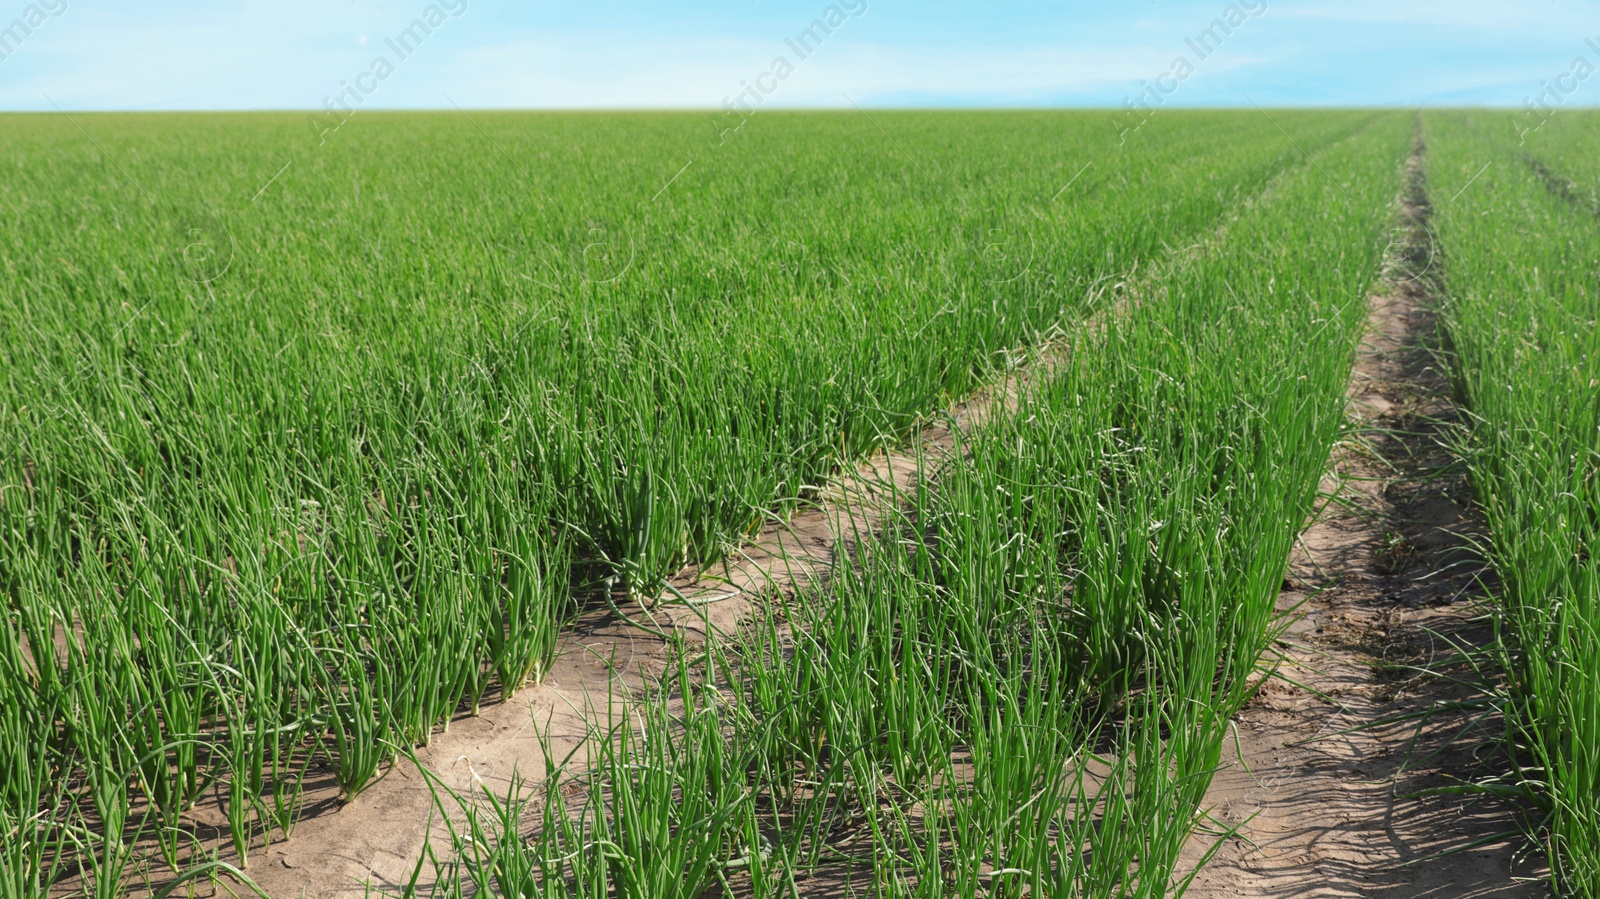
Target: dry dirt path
(1321, 810)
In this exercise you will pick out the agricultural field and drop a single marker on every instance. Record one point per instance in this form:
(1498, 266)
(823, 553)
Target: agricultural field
(315, 447)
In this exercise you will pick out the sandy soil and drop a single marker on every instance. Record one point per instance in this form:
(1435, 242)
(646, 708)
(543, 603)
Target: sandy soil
(1387, 582)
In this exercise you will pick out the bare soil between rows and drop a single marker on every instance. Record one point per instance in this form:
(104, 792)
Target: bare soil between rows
(1368, 710)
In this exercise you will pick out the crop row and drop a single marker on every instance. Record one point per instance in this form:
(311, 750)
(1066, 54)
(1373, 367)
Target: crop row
(1517, 251)
(1024, 686)
(294, 466)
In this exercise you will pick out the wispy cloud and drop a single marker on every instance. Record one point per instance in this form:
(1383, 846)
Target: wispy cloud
(171, 54)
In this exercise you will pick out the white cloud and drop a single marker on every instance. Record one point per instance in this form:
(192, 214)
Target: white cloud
(539, 73)
(292, 54)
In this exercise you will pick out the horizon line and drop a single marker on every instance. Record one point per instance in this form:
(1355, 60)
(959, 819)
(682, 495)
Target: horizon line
(1217, 107)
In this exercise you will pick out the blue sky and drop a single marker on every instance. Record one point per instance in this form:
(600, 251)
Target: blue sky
(296, 54)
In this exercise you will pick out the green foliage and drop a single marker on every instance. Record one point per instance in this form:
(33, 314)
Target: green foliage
(296, 471)
(1518, 247)
(1023, 687)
